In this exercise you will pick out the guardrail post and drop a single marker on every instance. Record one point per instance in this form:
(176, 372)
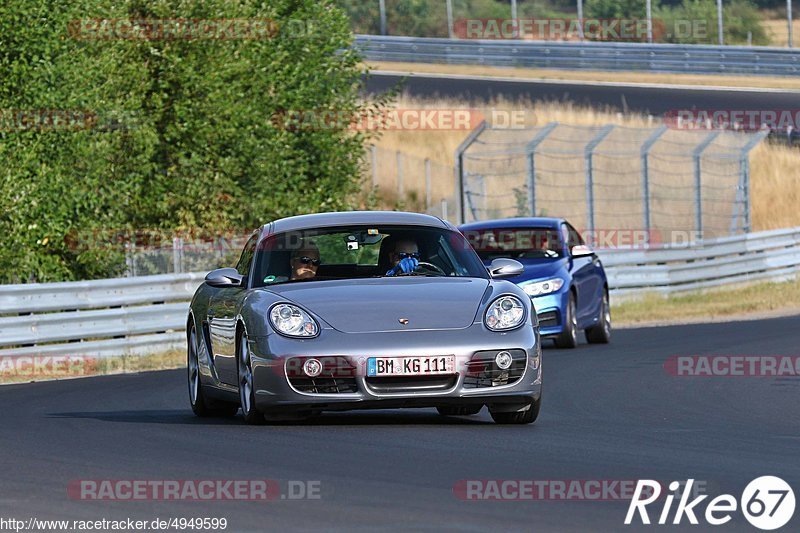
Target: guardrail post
(459, 167)
(698, 181)
(645, 151)
(382, 10)
(530, 150)
(587, 154)
(449, 4)
(743, 187)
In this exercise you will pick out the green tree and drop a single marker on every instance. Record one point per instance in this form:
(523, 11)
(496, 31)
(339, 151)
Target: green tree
(194, 144)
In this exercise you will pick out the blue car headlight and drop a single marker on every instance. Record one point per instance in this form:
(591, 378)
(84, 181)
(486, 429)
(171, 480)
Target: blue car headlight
(542, 287)
(506, 312)
(290, 320)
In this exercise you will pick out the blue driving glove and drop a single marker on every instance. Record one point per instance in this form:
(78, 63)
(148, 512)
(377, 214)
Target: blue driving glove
(406, 265)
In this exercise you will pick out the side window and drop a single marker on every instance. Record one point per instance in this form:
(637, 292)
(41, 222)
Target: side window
(573, 238)
(243, 266)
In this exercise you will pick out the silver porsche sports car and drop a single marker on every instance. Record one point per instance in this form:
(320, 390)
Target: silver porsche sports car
(362, 310)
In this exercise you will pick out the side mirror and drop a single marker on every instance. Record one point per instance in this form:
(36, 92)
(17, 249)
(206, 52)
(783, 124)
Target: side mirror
(581, 251)
(224, 277)
(503, 267)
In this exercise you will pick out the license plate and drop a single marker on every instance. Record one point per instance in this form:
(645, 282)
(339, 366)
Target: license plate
(411, 366)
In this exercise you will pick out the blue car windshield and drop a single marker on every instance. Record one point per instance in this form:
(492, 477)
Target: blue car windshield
(346, 252)
(516, 243)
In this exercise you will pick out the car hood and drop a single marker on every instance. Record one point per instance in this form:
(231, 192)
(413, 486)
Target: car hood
(377, 304)
(538, 269)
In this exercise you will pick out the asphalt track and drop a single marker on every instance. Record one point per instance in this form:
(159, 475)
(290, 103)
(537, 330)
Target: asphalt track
(609, 413)
(652, 99)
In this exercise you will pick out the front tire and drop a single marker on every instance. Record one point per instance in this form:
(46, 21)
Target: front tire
(528, 416)
(247, 398)
(569, 336)
(202, 406)
(601, 333)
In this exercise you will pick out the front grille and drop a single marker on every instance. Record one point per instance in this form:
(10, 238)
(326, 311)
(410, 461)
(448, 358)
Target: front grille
(411, 383)
(338, 376)
(548, 319)
(483, 372)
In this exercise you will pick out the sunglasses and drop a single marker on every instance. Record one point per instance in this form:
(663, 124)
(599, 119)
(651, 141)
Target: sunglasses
(305, 260)
(403, 255)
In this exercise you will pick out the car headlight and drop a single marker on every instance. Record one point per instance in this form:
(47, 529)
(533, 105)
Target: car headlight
(507, 312)
(543, 287)
(292, 321)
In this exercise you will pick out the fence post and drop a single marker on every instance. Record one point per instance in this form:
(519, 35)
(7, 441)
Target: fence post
(645, 151)
(177, 252)
(427, 184)
(449, 18)
(530, 150)
(399, 174)
(459, 167)
(743, 187)
(588, 152)
(374, 152)
(698, 181)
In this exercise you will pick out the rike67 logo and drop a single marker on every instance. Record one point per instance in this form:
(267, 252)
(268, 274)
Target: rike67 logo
(767, 503)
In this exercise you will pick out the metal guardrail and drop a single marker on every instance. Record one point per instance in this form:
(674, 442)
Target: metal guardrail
(679, 58)
(133, 316)
(769, 255)
(109, 317)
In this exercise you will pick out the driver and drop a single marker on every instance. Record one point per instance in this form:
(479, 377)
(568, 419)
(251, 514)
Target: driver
(404, 257)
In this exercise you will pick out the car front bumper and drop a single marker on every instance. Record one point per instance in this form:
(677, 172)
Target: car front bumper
(550, 312)
(275, 393)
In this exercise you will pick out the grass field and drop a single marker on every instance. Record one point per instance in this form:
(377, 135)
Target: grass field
(774, 168)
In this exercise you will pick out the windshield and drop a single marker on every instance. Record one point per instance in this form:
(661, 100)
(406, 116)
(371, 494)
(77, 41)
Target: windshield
(516, 243)
(347, 252)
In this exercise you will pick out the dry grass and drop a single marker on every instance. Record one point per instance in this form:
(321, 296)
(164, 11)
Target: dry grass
(703, 306)
(774, 188)
(105, 366)
(766, 82)
(778, 32)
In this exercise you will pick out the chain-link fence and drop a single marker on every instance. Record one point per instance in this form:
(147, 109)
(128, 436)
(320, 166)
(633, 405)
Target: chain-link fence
(651, 179)
(183, 254)
(412, 183)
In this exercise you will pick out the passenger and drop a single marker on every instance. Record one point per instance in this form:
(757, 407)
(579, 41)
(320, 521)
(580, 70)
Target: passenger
(305, 261)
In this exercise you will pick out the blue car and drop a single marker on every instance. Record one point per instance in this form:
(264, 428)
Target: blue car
(563, 277)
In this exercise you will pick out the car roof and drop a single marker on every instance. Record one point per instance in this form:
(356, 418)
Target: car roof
(517, 222)
(317, 220)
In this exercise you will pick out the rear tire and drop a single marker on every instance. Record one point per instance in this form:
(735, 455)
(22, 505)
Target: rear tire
(202, 406)
(528, 416)
(601, 333)
(247, 400)
(569, 336)
(459, 410)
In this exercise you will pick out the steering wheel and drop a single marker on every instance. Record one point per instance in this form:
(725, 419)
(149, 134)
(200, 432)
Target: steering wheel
(431, 266)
